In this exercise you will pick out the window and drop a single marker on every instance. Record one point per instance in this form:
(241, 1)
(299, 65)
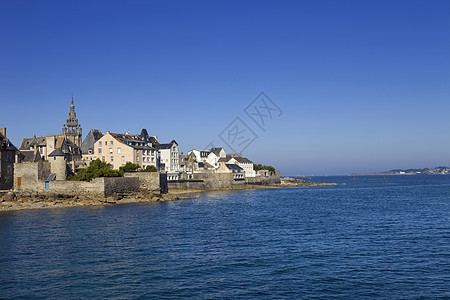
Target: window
(99, 150)
(119, 150)
(123, 158)
(153, 159)
(111, 143)
(143, 159)
(100, 143)
(137, 157)
(90, 151)
(112, 158)
(8, 169)
(111, 150)
(103, 158)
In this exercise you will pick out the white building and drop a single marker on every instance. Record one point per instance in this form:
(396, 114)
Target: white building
(242, 162)
(206, 158)
(168, 158)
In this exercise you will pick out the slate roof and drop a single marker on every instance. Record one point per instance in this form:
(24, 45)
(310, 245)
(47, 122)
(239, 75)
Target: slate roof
(135, 141)
(57, 152)
(224, 159)
(243, 160)
(5, 143)
(30, 156)
(216, 151)
(235, 168)
(88, 143)
(27, 143)
(166, 146)
(144, 134)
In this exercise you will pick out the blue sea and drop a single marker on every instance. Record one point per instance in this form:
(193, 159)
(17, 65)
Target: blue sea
(374, 238)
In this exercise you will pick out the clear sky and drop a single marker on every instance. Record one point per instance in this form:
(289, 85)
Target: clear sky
(362, 85)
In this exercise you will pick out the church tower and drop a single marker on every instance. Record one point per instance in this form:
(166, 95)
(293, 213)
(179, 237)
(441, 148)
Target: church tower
(72, 130)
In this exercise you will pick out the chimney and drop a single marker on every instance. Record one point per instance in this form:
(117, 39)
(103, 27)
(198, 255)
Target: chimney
(3, 131)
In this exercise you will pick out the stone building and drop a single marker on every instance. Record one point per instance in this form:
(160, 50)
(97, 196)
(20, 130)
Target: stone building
(8, 154)
(69, 142)
(72, 130)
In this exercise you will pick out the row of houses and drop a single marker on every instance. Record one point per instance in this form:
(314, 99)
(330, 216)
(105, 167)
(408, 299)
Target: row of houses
(116, 149)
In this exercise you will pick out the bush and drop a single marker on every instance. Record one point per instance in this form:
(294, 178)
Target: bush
(129, 167)
(97, 168)
(258, 167)
(150, 169)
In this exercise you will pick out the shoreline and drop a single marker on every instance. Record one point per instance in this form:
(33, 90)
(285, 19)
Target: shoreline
(20, 201)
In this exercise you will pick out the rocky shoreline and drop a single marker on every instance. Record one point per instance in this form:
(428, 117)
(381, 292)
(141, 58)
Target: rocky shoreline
(288, 181)
(20, 201)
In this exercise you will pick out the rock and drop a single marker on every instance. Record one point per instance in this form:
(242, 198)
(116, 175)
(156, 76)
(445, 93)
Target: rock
(9, 196)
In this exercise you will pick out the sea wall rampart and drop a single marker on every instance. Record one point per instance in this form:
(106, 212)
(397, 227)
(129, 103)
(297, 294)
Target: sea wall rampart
(148, 181)
(207, 181)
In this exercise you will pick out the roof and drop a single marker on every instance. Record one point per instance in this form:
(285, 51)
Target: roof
(243, 160)
(27, 143)
(164, 146)
(88, 143)
(135, 141)
(57, 152)
(216, 151)
(30, 156)
(224, 159)
(234, 168)
(5, 143)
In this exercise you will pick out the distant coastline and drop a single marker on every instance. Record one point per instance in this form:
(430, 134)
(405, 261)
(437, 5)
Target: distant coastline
(425, 171)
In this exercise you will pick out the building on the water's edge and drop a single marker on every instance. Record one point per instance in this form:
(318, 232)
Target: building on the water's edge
(44, 163)
(8, 155)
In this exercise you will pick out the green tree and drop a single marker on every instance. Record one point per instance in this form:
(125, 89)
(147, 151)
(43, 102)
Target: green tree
(129, 167)
(97, 168)
(258, 167)
(150, 169)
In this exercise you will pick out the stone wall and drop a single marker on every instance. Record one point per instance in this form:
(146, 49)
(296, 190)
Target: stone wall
(33, 180)
(148, 181)
(93, 188)
(206, 181)
(120, 185)
(29, 174)
(265, 178)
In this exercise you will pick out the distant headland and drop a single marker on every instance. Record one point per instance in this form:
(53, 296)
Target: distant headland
(425, 171)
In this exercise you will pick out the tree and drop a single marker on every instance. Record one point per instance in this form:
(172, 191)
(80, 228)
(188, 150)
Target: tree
(150, 169)
(129, 167)
(258, 167)
(97, 168)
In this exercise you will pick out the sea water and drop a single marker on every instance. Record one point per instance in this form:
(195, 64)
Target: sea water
(373, 237)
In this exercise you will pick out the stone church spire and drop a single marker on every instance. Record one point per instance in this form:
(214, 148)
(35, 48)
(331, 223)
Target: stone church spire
(72, 130)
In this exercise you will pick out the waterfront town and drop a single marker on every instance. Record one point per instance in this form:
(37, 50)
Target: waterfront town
(48, 165)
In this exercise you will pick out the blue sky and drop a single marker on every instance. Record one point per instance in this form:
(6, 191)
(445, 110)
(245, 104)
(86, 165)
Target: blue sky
(363, 85)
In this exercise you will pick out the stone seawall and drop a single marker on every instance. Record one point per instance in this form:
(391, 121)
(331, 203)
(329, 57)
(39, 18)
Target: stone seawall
(265, 178)
(120, 185)
(206, 181)
(148, 181)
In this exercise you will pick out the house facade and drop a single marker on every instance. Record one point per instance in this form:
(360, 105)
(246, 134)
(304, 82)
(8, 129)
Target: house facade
(169, 157)
(118, 149)
(7, 159)
(245, 164)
